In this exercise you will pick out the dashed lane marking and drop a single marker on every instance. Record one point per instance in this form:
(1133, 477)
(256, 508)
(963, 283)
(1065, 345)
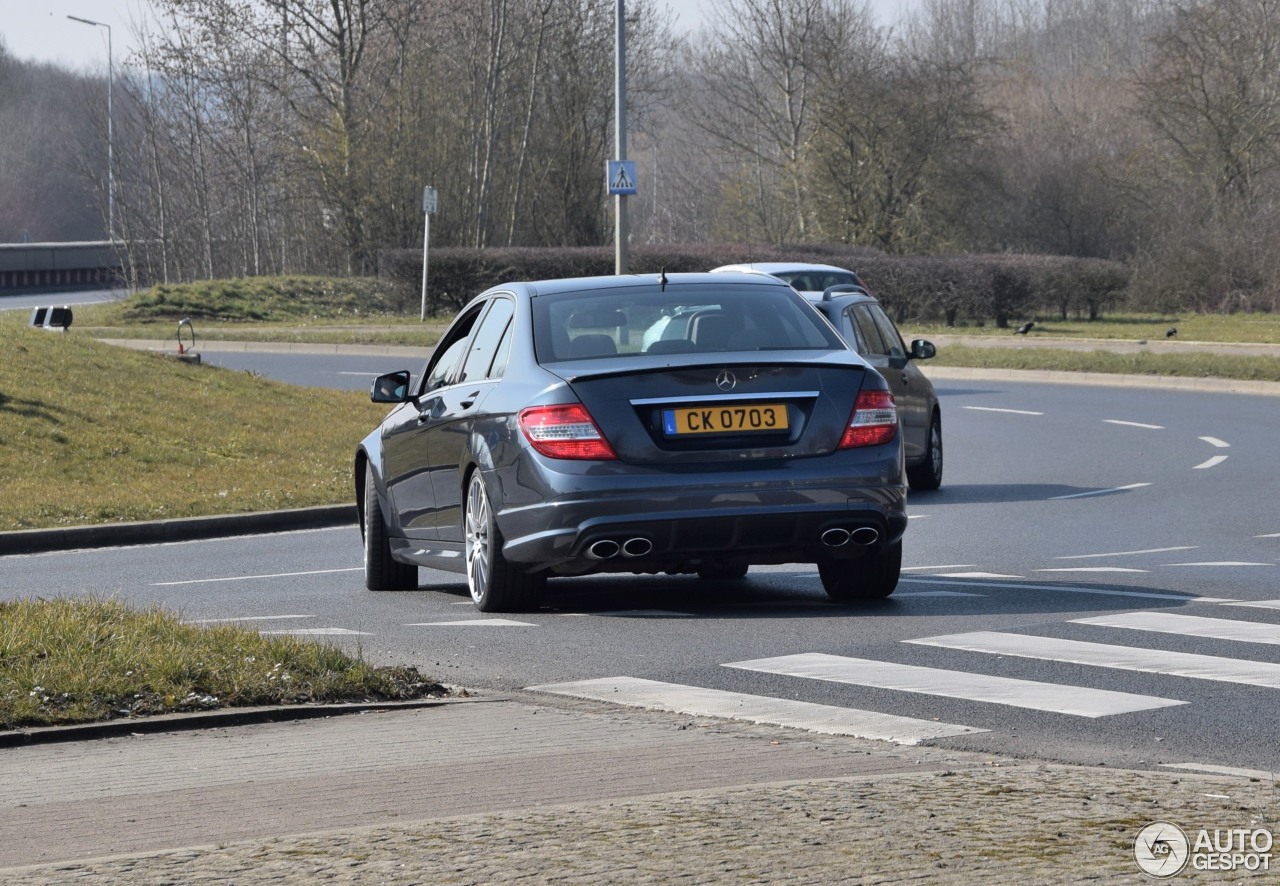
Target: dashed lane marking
(1128, 553)
(473, 622)
(200, 581)
(1098, 492)
(1031, 694)
(1124, 658)
(1133, 424)
(698, 702)
(1214, 441)
(1009, 411)
(1091, 569)
(320, 632)
(1210, 463)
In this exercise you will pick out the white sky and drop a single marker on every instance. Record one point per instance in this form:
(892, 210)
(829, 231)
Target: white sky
(39, 29)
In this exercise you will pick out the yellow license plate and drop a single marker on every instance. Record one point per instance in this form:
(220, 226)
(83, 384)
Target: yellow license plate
(753, 418)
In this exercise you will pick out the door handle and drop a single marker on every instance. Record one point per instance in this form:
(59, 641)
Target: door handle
(470, 400)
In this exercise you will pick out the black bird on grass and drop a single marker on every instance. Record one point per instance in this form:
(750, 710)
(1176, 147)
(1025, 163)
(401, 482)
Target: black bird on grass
(1171, 332)
(1024, 328)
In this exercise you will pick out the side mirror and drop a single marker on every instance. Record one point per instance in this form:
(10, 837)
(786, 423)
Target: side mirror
(923, 350)
(390, 388)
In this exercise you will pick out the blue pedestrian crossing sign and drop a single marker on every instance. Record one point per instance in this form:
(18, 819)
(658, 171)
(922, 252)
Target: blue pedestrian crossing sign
(622, 176)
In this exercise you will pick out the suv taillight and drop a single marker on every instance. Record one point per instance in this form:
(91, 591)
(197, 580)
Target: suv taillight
(874, 420)
(566, 431)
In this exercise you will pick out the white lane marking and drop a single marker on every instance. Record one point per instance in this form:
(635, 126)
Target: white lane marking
(952, 566)
(1091, 569)
(212, 621)
(1210, 463)
(1010, 411)
(1099, 492)
(916, 516)
(1214, 441)
(1269, 535)
(1189, 626)
(1105, 592)
(1133, 424)
(1128, 553)
(1123, 658)
(473, 622)
(201, 581)
(698, 702)
(1257, 604)
(320, 632)
(1260, 774)
(977, 575)
(1222, 563)
(902, 594)
(1057, 698)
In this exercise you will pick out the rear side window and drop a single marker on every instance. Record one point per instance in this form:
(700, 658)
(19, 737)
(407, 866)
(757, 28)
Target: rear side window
(681, 320)
(869, 340)
(484, 344)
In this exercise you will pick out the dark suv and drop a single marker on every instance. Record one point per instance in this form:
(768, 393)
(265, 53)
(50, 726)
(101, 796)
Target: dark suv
(863, 323)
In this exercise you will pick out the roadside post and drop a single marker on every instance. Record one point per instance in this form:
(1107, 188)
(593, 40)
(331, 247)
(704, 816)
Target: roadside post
(428, 210)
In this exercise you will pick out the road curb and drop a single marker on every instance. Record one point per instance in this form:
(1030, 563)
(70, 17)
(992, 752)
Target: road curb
(226, 717)
(37, 541)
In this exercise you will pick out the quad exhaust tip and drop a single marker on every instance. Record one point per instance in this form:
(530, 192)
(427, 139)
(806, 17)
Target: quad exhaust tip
(606, 548)
(839, 536)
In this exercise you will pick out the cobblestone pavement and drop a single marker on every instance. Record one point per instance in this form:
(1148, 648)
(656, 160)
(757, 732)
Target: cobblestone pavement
(526, 790)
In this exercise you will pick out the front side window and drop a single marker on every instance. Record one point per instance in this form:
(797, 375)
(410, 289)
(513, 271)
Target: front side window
(444, 365)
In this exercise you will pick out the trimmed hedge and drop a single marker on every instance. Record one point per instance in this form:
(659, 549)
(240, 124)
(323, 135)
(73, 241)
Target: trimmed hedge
(956, 290)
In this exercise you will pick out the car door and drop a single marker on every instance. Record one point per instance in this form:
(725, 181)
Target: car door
(881, 345)
(408, 466)
(461, 404)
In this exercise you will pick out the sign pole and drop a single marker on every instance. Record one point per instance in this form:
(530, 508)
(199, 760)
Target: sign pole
(428, 207)
(620, 119)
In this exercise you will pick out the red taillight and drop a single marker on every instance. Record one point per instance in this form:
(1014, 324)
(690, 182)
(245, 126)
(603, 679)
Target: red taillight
(874, 420)
(564, 432)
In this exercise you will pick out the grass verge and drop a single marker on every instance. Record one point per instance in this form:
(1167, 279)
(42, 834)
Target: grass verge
(1254, 328)
(91, 433)
(88, 660)
(1192, 365)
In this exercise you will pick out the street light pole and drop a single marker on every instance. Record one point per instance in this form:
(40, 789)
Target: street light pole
(111, 166)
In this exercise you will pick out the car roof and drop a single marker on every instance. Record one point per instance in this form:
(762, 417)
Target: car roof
(779, 267)
(535, 288)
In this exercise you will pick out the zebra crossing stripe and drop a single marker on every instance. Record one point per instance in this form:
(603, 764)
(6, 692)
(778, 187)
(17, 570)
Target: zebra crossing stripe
(1189, 626)
(699, 702)
(1077, 700)
(1125, 658)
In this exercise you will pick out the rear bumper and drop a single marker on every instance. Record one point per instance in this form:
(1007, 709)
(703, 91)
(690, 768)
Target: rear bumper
(779, 520)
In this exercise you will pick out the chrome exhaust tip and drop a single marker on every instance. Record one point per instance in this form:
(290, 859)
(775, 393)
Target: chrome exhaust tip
(834, 538)
(864, 535)
(636, 547)
(603, 549)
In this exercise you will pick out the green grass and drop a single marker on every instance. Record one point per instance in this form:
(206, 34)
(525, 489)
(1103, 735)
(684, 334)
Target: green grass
(1255, 328)
(77, 661)
(1191, 365)
(320, 310)
(91, 433)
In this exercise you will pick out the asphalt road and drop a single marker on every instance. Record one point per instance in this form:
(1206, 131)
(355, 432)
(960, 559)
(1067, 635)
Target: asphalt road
(1109, 555)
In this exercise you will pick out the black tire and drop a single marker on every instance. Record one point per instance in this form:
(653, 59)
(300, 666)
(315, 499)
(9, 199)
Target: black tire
(723, 573)
(381, 572)
(927, 475)
(873, 577)
(495, 585)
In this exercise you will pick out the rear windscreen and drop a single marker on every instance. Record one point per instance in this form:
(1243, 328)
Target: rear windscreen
(683, 319)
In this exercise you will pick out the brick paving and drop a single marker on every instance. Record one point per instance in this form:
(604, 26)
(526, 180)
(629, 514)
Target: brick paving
(527, 790)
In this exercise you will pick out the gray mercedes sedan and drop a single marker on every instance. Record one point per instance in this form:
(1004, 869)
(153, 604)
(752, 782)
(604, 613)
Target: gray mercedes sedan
(683, 423)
